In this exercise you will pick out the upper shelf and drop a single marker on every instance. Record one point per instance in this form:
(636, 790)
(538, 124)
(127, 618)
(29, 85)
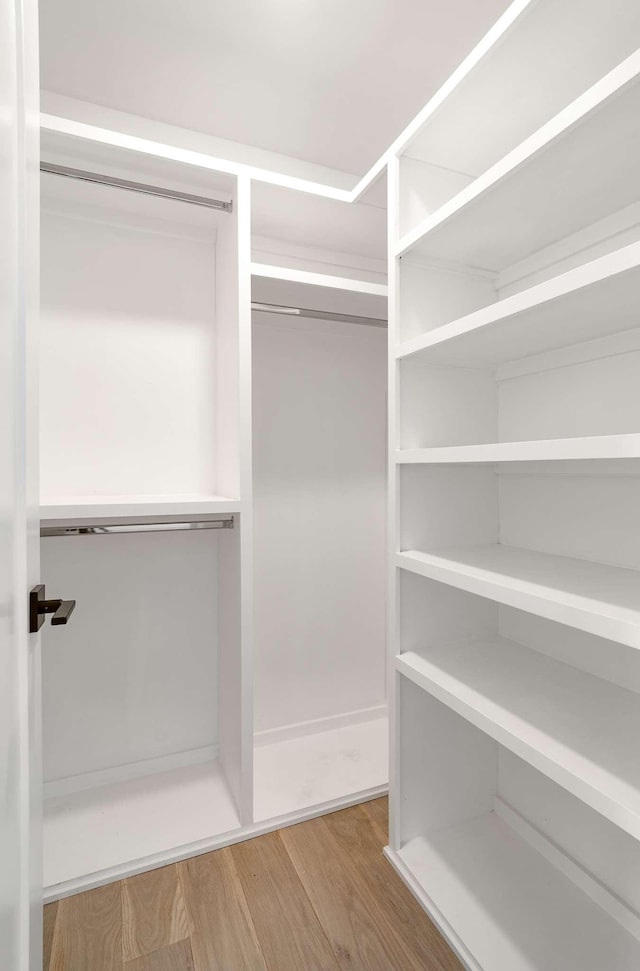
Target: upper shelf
(584, 735)
(74, 510)
(578, 168)
(593, 597)
(291, 275)
(594, 300)
(500, 94)
(509, 900)
(317, 291)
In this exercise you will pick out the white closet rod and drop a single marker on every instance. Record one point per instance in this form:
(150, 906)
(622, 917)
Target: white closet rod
(151, 190)
(98, 530)
(274, 308)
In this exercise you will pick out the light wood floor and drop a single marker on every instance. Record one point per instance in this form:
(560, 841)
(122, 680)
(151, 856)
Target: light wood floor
(318, 896)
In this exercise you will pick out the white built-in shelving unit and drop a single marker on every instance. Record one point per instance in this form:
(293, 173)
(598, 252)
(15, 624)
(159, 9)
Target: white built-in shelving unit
(514, 206)
(195, 699)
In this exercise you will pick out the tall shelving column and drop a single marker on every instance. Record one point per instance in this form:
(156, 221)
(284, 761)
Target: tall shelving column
(514, 469)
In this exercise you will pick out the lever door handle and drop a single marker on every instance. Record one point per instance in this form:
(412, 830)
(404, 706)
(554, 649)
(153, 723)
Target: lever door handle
(39, 608)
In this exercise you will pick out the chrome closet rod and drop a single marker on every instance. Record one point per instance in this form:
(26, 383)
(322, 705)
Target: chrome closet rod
(274, 308)
(99, 530)
(150, 190)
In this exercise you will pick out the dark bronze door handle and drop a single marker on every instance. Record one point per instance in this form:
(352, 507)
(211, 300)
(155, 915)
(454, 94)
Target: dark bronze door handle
(39, 607)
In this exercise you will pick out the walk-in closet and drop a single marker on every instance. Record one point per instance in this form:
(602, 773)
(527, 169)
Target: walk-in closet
(319, 478)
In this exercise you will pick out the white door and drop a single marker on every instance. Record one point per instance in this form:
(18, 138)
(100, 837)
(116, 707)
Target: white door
(20, 772)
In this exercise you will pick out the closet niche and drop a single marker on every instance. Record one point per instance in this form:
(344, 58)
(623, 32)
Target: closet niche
(139, 424)
(208, 544)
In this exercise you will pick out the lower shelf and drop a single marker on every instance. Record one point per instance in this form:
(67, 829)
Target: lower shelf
(505, 907)
(108, 827)
(97, 835)
(296, 774)
(579, 730)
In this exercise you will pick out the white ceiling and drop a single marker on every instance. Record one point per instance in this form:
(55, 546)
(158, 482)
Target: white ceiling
(328, 81)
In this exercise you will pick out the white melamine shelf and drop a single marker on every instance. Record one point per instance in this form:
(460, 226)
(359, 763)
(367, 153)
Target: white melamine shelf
(545, 450)
(579, 730)
(575, 170)
(319, 292)
(597, 299)
(296, 774)
(506, 907)
(602, 600)
(309, 278)
(85, 508)
(113, 826)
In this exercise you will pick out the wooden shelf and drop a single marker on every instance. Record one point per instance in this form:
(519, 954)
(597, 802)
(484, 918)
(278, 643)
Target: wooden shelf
(77, 509)
(506, 905)
(597, 299)
(112, 827)
(579, 730)
(545, 450)
(599, 599)
(575, 170)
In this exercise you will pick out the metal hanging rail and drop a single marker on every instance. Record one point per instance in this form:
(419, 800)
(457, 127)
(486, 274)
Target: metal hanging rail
(100, 530)
(150, 190)
(274, 308)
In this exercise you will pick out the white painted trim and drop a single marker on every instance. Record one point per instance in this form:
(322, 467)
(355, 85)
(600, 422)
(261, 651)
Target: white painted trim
(393, 499)
(131, 770)
(624, 915)
(271, 736)
(174, 855)
(317, 279)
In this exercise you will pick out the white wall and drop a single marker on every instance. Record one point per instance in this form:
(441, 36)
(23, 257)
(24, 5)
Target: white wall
(134, 675)
(127, 355)
(319, 487)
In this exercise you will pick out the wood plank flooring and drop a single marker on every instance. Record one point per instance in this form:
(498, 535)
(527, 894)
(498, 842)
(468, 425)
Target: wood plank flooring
(319, 896)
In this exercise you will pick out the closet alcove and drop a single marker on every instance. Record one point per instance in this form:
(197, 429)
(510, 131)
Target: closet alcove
(213, 498)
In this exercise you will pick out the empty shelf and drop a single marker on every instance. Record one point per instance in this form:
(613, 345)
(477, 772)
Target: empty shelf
(599, 599)
(597, 299)
(575, 170)
(512, 909)
(309, 278)
(318, 292)
(545, 450)
(108, 828)
(578, 729)
(78, 508)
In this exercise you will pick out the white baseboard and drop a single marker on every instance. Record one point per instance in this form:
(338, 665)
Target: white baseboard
(270, 736)
(132, 770)
(174, 855)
